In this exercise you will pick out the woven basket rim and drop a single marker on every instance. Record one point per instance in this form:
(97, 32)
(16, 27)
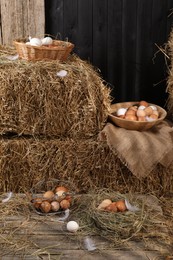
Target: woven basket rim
(65, 44)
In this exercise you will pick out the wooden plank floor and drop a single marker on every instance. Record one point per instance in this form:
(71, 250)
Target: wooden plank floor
(36, 237)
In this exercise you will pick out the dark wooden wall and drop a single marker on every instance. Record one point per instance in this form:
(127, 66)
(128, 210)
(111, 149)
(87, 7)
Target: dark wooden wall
(119, 37)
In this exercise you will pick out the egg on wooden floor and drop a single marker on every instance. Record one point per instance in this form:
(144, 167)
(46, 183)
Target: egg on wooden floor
(72, 226)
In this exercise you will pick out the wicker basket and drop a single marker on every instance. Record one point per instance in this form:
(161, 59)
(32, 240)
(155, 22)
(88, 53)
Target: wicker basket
(41, 187)
(59, 50)
(134, 125)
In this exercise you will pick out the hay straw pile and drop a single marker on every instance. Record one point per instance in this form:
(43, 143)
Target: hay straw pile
(35, 101)
(151, 225)
(88, 164)
(170, 77)
(49, 128)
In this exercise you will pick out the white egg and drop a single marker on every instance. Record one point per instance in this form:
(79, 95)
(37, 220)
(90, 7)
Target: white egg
(153, 107)
(72, 226)
(35, 42)
(141, 107)
(46, 41)
(149, 119)
(121, 111)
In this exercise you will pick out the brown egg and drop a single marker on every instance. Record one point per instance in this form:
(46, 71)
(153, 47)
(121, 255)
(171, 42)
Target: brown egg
(112, 207)
(104, 204)
(155, 112)
(37, 202)
(64, 204)
(48, 195)
(130, 112)
(121, 206)
(123, 116)
(55, 206)
(141, 118)
(60, 193)
(68, 197)
(153, 116)
(148, 111)
(61, 188)
(131, 117)
(140, 112)
(45, 207)
(143, 103)
(135, 108)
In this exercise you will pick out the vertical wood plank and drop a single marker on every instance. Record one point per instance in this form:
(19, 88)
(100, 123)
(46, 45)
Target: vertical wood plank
(118, 36)
(84, 43)
(21, 18)
(128, 49)
(36, 17)
(100, 16)
(54, 18)
(114, 47)
(143, 49)
(70, 20)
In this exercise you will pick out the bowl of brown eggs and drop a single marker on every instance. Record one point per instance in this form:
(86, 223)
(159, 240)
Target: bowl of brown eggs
(138, 116)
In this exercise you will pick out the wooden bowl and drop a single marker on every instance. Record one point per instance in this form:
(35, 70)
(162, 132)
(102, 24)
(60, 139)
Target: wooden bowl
(134, 125)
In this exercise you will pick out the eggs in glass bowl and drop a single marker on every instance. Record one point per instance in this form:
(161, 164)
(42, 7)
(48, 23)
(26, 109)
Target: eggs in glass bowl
(136, 115)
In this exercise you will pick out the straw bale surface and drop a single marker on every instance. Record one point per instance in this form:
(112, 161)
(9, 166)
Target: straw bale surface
(34, 100)
(170, 77)
(88, 164)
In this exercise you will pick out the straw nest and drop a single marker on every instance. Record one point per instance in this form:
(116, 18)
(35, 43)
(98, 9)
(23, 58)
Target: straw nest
(35, 100)
(169, 48)
(121, 227)
(88, 164)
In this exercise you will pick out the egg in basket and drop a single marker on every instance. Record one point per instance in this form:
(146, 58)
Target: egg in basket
(53, 200)
(136, 115)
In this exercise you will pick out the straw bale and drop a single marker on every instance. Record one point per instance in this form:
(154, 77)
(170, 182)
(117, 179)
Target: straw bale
(34, 100)
(87, 164)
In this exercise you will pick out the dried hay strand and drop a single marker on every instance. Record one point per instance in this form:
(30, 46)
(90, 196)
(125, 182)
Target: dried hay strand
(17, 233)
(148, 224)
(88, 164)
(35, 100)
(169, 89)
(151, 226)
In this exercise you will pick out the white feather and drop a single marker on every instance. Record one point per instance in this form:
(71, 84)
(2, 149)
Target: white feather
(61, 73)
(12, 57)
(9, 195)
(89, 244)
(66, 215)
(130, 207)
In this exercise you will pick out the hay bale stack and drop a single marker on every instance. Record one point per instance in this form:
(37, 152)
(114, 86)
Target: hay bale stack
(170, 77)
(88, 164)
(35, 101)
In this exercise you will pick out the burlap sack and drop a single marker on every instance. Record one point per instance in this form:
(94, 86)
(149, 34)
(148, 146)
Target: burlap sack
(141, 151)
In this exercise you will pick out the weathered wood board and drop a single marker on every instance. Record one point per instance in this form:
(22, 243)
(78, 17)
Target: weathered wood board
(45, 237)
(20, 19)
(55, 242)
